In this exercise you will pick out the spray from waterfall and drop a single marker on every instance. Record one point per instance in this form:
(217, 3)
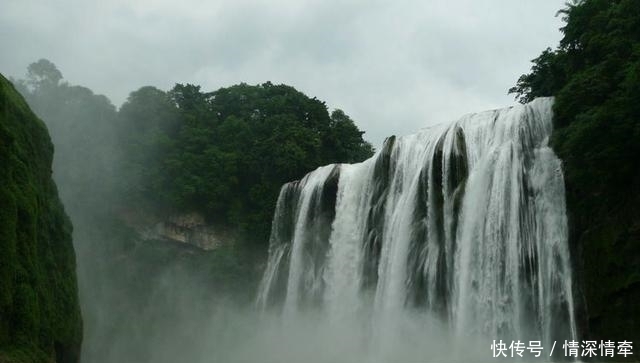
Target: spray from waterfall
(462, 225)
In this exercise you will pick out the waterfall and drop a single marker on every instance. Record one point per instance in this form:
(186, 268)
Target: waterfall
(464, 222)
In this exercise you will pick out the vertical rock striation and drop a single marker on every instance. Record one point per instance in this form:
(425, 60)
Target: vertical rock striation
(464, 221)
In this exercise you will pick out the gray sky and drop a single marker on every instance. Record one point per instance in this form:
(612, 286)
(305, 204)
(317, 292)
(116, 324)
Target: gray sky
(393, 66)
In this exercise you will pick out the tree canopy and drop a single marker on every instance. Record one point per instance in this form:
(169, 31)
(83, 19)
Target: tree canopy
(595, 75)
(226, 153)
(82, 125)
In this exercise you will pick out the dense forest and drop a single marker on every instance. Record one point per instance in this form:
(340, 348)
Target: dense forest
(222, 155)
(227, 153)
(594, 74)
(39, 310)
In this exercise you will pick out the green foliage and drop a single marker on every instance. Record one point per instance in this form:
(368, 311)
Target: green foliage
(226, 153)
(39, 311)
(346, 140)
(223, 154)
(546, 77)
(85, 151)
(595, 76)
(146, 122)
(42, 74)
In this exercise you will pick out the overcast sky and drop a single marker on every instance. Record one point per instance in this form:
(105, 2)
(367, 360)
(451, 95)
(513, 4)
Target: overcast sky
(393, 66)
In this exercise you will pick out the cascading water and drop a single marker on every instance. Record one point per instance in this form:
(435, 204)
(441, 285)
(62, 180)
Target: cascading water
(464, 223)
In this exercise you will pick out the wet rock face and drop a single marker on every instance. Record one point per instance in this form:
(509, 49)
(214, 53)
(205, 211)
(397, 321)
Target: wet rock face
(452, 221)
(190, 229)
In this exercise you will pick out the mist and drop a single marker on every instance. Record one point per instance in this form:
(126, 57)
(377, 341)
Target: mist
(148, 298)
(142, 299)
(283, 182)
(244, 335)
(349, 275)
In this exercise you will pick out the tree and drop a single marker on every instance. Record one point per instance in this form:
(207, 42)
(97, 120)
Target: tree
(43, 73)
(226, 153)
(546, 78)
(82, 127)
(147, 126)
(346, 139)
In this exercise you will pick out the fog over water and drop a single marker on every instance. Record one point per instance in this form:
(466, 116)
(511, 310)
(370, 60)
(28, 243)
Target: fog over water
(440, 243)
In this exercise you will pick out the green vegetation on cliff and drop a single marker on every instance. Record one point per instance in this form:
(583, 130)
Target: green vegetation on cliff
(226, 153)
(222, 154)
(81, 125)
(39, 312)
(595, 76)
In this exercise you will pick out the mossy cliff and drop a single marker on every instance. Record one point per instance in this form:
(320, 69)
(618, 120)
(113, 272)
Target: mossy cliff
(39, 312)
